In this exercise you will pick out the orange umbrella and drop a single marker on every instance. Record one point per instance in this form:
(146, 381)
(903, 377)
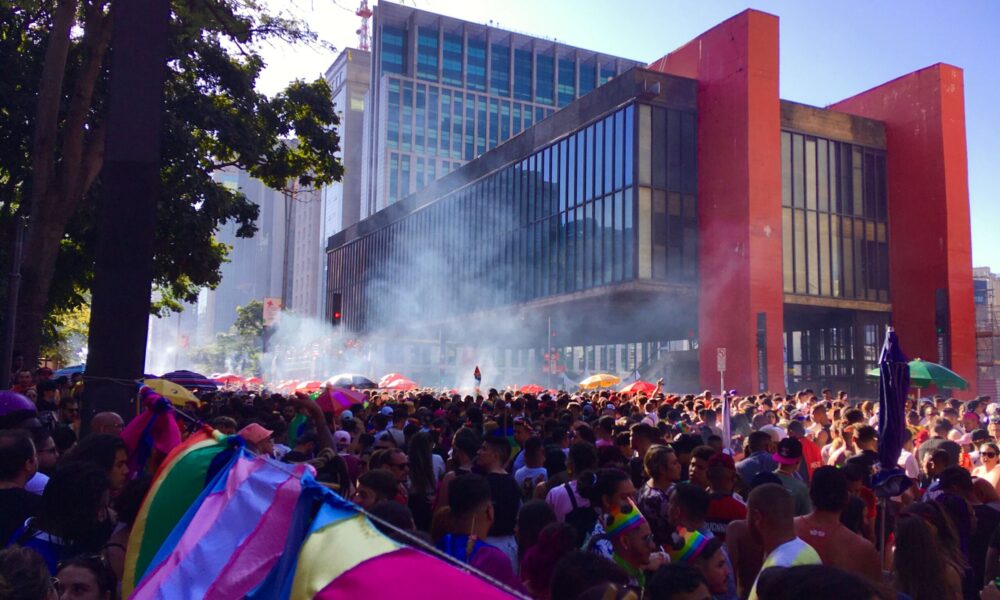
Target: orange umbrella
(532, 388)
(637, 387)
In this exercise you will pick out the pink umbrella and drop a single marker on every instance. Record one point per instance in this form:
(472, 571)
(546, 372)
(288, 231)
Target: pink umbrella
(336, 400)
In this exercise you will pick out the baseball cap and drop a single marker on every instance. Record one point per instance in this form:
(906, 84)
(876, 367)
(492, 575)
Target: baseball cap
(386, 410)
(980, 435)
(789, 451)
(347, 416)
(341, 439)
(721, 459)
(255, 433)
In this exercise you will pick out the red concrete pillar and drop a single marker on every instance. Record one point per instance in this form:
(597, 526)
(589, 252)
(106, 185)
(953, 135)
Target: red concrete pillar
(739, 196)
(930, 239)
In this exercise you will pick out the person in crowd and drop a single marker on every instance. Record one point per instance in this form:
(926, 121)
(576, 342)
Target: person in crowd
(464, 447)
(24, 575)
(643, 436)
(579, 571)
(396, 521)
(126, 507)
(554, 541)
(107, 423)
(923, 571)
(812, 457)
(758, 457)
(663, 470)
(989, 468)
(86, 577)
(258, 439)
(679, 581)
(18, 465)
(956, 481)
(533, 473)
(470, 515)
(377, 485)
(504, 491)
(533, 516)
(224, 425)
(771, 517)
(724, 506)
(48, 455)
(836, 545)
(423, 479)
(106, 451)
(606, 491)
(698, 470)
(687, 510)
(566, 498)
(788, 456)
(818, 582)
(73, 516)
(632, 540)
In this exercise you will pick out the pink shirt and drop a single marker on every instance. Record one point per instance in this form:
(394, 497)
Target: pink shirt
(559, 500)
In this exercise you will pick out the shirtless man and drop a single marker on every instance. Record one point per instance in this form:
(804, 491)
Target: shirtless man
(837, 545)
(745, 554)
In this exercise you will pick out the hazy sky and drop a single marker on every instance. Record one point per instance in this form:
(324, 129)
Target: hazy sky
(829, 51)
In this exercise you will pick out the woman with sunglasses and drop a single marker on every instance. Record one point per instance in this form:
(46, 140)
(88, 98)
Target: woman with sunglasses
(989, 455)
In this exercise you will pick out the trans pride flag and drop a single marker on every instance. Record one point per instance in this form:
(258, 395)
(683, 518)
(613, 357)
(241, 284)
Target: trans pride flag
(262, 529)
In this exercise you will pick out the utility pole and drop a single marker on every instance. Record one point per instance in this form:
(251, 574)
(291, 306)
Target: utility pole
(123, 270)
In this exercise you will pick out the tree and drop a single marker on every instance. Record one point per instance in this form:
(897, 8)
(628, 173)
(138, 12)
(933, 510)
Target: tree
(238, 349)
(54, 56)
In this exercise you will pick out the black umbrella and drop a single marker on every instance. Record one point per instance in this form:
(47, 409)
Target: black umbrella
(192, 381)
(351, 380)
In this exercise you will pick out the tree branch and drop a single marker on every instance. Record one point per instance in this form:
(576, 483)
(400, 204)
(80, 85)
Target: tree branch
(96, 38)
(49, 96)
(93, 158)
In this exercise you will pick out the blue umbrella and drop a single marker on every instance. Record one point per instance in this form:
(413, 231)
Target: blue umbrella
(894, 385)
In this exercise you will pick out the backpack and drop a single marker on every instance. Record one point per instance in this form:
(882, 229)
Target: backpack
(582, 518)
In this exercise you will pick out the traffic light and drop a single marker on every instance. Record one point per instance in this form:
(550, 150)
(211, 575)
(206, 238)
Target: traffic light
(335, 309)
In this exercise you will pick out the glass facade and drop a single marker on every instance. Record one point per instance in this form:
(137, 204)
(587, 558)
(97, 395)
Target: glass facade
(500, 70)
(834, 219)
(566, 218)
(393, 49)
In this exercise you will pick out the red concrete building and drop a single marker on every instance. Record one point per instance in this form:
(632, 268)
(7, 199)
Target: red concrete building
(752, 301)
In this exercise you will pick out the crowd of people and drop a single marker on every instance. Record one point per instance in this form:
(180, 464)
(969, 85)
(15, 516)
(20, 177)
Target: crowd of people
(559, 496)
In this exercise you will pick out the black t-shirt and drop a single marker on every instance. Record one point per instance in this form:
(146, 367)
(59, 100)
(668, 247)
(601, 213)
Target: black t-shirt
(16, 505)
(506, 502)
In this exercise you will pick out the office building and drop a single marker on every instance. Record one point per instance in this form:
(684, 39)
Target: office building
(986, 294)
(444, 91)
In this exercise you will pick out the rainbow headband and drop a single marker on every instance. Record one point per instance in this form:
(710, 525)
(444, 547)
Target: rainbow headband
(620, 522)
(687, 545)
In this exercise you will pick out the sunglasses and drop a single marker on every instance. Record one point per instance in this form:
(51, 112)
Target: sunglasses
(990, 454)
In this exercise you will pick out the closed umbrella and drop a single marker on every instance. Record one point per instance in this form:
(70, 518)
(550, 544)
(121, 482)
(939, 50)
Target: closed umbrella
(351, 380)
(600, 380)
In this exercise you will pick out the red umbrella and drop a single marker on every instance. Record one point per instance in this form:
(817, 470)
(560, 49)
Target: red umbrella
(228, 378)
(254, 381)
(335, 400)
(401, 384)
(389, 378)
(532, 388)
(308, 386)
(637, 387)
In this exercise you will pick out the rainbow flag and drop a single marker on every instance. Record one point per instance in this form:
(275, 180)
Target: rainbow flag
(177, 484)
(231, 537)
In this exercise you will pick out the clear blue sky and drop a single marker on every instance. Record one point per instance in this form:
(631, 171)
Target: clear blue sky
(829, 51)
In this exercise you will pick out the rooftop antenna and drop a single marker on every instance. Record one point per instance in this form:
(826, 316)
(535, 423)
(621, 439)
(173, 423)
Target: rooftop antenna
(364, 34)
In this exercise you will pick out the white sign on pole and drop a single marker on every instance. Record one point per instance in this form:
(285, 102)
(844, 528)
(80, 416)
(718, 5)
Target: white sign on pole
(272, 308)
(720, 360)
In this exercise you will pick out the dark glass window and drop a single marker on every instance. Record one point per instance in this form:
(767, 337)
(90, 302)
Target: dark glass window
(393, 50)
(500, 70)
(607, 72)
(504, 120)
(522, 76)
(567, 81)
(476, 65)
(835, 229)
(494, 122)
(427, 53)
(544, 80)
(452, 59)
(588, 77)
(393, 114)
